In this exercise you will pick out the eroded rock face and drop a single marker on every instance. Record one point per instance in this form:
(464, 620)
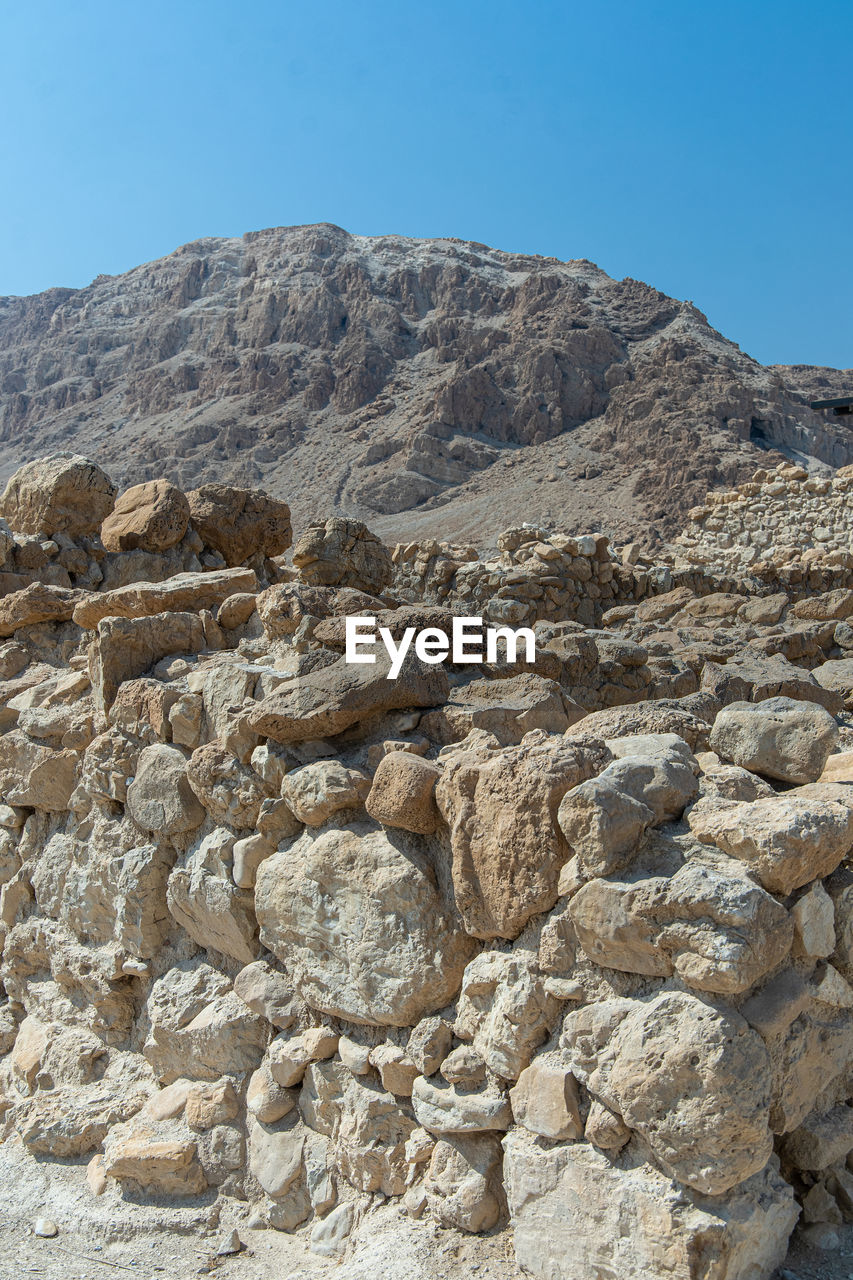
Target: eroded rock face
(507, 846)
(358, 919)
(62, 493)
(343, 553)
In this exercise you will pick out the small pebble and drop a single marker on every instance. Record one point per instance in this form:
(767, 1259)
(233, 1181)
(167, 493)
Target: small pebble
(46, 1228)
(229, 1245)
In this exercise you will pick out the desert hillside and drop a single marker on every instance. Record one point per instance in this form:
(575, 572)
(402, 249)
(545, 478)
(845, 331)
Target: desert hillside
(430, 387)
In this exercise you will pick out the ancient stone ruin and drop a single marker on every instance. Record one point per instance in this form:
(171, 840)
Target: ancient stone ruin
(561, 945)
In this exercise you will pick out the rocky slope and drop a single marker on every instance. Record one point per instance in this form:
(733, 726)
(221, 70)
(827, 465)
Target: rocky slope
(431, 387)
(563, 944)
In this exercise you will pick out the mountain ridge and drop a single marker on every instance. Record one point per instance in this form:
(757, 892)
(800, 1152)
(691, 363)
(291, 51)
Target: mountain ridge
(430, 387)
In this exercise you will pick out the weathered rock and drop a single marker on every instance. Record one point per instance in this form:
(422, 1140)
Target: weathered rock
(36, 603)
(545, 1099)
(284, 607)
(403, 793)
(429, 1044)
(160, 798)
(240, 523)
(327, 701)
(507, 847)
(213, 911)
(507, 708)
(505, 1010)
(757, 677)
(127, 647)
(709, 923)
(361, 926)
(229, 791)
(692, 1080)
(396, 1069)
(788, 841)
(343, 553)
(221, 1039)
(61, 493)
(443, 1108)
(661, 715)
(153, 516)
(155, 1159)
(36, 776)
(823, 1139)
(779, 738)
(267, 992)
(179, 594)
(318, 790)
(575, 1212)
(463, 1187)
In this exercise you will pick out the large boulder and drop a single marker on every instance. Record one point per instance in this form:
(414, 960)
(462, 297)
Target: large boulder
(240, 523)
(330, 699)
(184, 591)
(151, 516)
(343, 553)
(501, 808)
(779, 738)
(692, 1080)
(361, 926)
(786, 841)
(575, 1212)
(283, 607)
(124, 648)
(62, 493)
(36, 603)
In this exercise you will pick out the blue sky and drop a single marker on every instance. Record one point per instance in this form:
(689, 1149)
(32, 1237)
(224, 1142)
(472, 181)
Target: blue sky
(705, 148)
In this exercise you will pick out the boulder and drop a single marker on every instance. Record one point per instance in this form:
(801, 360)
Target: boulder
(240, 523)
(124, 648)
(508, 709)
(36, 776)
(692, 1080)
(779, 738)
(37, 603)
(318, 790)
(220, 1039)
(505, 1010)
(443, 1108)
(361, 925)
(403, 793)
(328, 700)
(183, 592)
(756, 677)
(61, 493)
(463, 1183)
(709, 923)
(545, 1099)
(799, 836)
(160, 798)
(575, 1212)
(156, 1159)
(231, 792)
(501, 808)
(660, 715)
(284, 607)
(151, 516)
(343, 553)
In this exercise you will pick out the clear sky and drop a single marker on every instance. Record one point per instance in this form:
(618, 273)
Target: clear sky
(702, 147)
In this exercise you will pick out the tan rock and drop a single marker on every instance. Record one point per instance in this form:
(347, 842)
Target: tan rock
(267, 1100)
(125, 648)
(63, 492)
(37, 603)
(824, 1138)
(463, 1187)
(779, 738)
(443, 1108)
(360, 925)
(236, 610)
(605, 1129)
(507, 847)
(211, 1103)
(153, 1160)
(267, 992)
(316, 791)
(284, 607)
(185, 592)
(396, 1069)
(330, 699)
(505, 1010)
(403, 793)
(230, 792)
(240, 523)
(508, 708)
(160, 798)
(814, 924)
(36, 776)
(692, 1080)
(153, 516)
(575, 1212)
(429, 1044)
(545, 1099)
(799, 836)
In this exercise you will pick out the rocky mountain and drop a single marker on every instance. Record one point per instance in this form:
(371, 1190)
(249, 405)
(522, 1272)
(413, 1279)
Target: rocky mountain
(430, 387)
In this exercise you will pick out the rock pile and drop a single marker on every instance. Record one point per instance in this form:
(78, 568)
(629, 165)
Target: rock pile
(565, 944)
